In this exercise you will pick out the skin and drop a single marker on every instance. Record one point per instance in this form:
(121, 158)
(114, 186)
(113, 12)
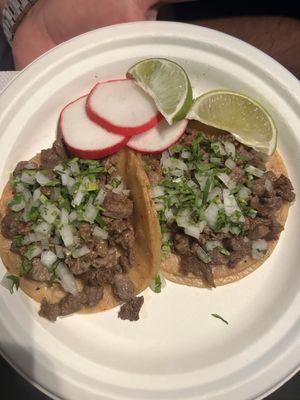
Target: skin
(50, 22)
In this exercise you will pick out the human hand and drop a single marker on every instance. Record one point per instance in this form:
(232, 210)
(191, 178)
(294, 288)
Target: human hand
(51, 22)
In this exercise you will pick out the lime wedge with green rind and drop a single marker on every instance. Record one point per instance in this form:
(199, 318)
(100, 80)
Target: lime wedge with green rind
(246, 119)
(167, 83)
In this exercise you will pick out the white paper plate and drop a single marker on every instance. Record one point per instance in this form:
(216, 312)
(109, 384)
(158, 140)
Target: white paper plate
(176, 350)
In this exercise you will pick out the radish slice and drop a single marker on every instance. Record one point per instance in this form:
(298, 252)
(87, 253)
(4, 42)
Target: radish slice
(83, 138)
(120, 106)
(158, 138)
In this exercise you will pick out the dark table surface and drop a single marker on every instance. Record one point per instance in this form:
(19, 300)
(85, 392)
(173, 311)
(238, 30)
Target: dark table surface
(17, 388)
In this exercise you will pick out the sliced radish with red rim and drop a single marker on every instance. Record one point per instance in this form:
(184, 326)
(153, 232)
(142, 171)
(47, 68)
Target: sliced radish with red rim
(82, 137)
(159, 138)
(122, 107)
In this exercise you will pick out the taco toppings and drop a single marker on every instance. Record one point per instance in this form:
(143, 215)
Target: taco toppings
(70, 222)
(217, 203)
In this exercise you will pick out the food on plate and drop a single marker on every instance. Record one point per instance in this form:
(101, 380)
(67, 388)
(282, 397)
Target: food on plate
(159, 138)
(147, 185)
(84, 138)
(247, 120)
(167, 83)
(221, 206)
(73, 233)
(122, 107)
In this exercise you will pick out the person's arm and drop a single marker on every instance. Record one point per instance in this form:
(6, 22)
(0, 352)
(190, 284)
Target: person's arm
(49, 23)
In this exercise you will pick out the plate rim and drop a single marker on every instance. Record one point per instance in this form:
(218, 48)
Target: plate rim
(264, 58)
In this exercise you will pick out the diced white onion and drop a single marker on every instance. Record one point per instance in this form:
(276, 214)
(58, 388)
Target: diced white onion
(268, 185)
(212, 244)
(183, 218)
(244, 193)
(59, 251)
(30, 238)
(33, 252)
(79, 195)
(193, 231)
(28, 177)
(203, 255)
(27, 195)
(126, 192)
(211, 214)
(100, 197)
(49, 212)
(159, 206)
(220, 148)
(230, 149)
(90, 213)
(82, 251)
(192, 184)
(67, 235)
(109, 187)
(230, 203)
(186, 154)
(64, 216)
(157, 191)
(215, 160)
(73, 216)
(42, 179)
(74, 168)
(174, 164)
(201, 179)
(235, 230)
(100, 233)
(67, 280)
(259, 248)
(67, 180)
(169, 214)
(36, 197)
(55, 194)
(214, 193)
(166, 237)
(19, 206)
(229, 163)
(164, 158)
(226, 180)
(59, 168)
(48, 258)
(43, 228)
(254, 171)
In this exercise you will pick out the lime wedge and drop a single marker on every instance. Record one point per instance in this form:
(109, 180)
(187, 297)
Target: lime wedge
(167, 83)
(238, 114)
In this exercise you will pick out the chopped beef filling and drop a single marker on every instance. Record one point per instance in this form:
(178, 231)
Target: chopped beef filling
(52, 157)
(68, 220)
(131, 309)
(216, 202)
(89, 296)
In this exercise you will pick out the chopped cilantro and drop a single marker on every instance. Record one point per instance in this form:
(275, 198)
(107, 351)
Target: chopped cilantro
(222, 219)
(25, 266)
(157, 284)
(15, 282)
(221, 318)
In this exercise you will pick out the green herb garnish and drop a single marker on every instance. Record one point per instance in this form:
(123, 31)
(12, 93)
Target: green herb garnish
(157, 284)
(25, 266)
(15, 282)
(221, 318)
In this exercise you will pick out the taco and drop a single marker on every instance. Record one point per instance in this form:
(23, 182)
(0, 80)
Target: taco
(221, 206)
(72, 233)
